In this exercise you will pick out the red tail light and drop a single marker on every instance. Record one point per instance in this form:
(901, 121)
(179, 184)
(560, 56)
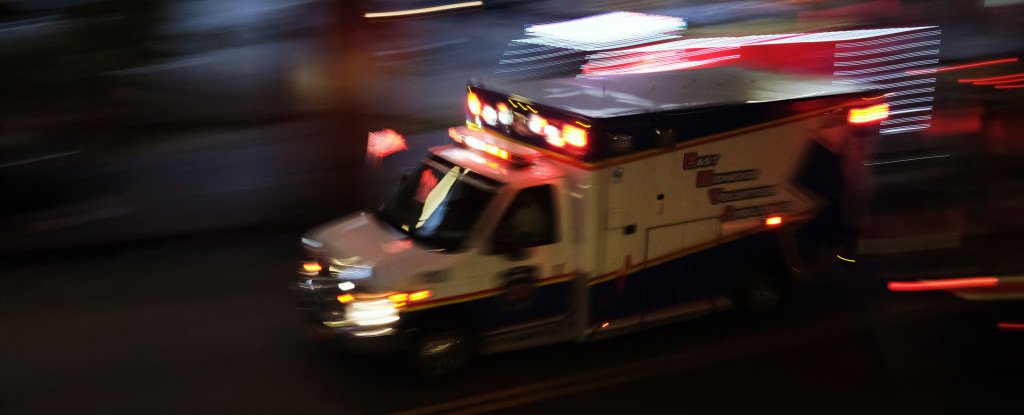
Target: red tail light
(473, 103)
(869, 114)
(573, 135)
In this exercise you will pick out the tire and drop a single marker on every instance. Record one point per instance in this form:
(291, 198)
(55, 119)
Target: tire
(442, 352)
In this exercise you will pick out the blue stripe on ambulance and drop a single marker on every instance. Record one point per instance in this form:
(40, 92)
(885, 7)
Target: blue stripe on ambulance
(701, 275)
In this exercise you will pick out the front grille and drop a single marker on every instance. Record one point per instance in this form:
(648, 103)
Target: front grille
(318, 284)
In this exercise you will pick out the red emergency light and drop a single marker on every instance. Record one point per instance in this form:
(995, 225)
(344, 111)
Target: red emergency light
(575, 136)
(473, 103)
(476, 144)
(500, 116)
(537, 124)
(479, 145)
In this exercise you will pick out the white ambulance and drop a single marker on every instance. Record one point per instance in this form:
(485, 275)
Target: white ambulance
(572, 209)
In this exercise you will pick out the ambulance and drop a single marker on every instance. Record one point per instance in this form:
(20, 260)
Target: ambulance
(572, 209)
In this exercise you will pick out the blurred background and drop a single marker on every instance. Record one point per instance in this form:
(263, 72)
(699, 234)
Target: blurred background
(160, 158)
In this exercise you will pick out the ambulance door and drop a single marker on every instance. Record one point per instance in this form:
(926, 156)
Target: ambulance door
(616, 292)
(533, 255)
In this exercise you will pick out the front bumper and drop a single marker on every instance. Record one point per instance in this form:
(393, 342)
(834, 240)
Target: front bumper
(325, 320)
(355, 340)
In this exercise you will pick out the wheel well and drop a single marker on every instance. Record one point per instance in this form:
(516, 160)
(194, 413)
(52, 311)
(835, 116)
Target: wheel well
(451, 316)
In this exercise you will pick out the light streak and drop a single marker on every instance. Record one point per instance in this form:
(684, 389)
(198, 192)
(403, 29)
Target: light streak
(424, 10)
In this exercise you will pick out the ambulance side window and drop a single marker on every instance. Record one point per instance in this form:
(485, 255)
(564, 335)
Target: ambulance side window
(529, 220)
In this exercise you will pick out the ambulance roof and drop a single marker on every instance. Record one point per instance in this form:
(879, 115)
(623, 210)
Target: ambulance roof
(620, 95)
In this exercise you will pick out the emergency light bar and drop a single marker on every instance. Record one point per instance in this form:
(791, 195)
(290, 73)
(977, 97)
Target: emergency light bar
(513, 117)
(479, 142)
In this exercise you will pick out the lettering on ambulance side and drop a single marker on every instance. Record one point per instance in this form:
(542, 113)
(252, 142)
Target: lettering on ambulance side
(707, 178)
(732, 213)
(693, 160)
(719, 195)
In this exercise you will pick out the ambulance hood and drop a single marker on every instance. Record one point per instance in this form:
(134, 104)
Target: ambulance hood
(377, 256)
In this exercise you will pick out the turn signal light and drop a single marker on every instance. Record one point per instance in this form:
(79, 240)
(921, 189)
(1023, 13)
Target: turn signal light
(311, 267)
(397, 300)
(773, 221)
(401, 299)
(420, 295)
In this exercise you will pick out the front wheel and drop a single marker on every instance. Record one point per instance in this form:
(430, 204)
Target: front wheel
(442, 352)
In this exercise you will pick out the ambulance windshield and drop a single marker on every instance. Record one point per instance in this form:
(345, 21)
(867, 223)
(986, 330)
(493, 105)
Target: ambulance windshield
(439, 203)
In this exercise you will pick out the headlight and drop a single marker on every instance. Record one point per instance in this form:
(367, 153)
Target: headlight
(375, 309)
(372, 312)
(352, 268)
